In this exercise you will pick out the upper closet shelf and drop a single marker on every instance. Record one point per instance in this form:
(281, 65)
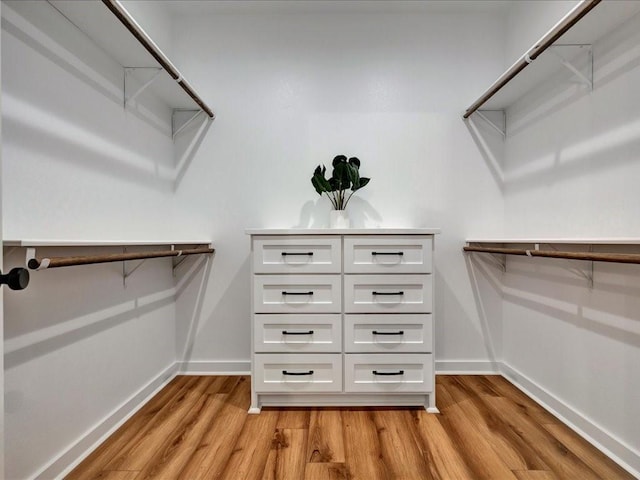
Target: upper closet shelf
(588, 21)
(113, 29)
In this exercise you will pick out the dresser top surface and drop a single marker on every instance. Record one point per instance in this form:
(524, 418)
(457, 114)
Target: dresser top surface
(342, 231)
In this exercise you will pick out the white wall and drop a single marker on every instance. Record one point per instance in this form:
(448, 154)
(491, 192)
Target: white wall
(79, 345)
(1, 300)
(291, 91)
(527, 22)
(572, 171)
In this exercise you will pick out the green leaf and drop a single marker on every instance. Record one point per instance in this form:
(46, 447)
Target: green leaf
(363, 183)
(339, 159)
(354, 176)
(319, 181)
(341, 175)
(355, 161)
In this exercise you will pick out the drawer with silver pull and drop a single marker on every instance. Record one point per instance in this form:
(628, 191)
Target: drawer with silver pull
(297, 254)
(384, 254)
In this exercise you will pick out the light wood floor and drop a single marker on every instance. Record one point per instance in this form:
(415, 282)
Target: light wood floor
(198, 428)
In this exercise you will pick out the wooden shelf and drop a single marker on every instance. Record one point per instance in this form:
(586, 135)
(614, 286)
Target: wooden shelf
(604, 18)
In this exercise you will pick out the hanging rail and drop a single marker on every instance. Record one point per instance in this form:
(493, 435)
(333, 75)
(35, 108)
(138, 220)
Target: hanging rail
(57, 262)
(121, 13)
(545, 42)
(596, 257)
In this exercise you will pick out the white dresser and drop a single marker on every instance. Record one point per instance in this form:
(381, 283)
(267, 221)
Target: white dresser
(342, 317)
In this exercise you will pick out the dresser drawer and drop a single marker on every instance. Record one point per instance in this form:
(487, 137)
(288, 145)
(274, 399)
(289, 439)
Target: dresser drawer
(297, 294)
(388, 373)
(291, 254)
(297, 333)
(385, 254)
(299, 373)
(388, 293)
(408, 333)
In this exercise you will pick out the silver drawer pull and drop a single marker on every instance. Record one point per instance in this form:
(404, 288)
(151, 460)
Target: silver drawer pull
(286, 332)
(399, 372)
(388, 293)
(310, 372)
(291, 254)
(296, 293)
(399, 332)
(387, 253)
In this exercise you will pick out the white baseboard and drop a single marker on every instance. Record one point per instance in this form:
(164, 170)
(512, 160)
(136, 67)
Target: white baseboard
(222, 367)
(467, 367)
(614, 448)
(68, 460)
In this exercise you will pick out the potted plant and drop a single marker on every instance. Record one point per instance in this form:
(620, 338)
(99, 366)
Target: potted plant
(345, 176)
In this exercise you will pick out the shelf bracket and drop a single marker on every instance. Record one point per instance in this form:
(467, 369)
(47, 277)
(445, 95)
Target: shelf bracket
(179, 123)
(502, 130)
(130, 93)
(126, 274)
(587, 275)
(582, 78)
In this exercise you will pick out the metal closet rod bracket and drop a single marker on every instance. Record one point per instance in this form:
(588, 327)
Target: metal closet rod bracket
(502, 130)
(130, 93)
(582, 78)
(177, 124)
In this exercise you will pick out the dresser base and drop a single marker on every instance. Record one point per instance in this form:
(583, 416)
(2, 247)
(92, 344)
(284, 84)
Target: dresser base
(426, 401)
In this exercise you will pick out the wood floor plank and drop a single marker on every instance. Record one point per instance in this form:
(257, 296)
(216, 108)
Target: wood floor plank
(155, 411)
(559, 459)
(286, 460)
(595, 459)
(117, 476)
(516, 453)
(293, 418)
(400, 448)
(362, 446)
(326, 437)
(534, 475)
(178, 448)
(198, 428)
(522, 400)
(478, 454)
(443, 458)
(251, 449)
(216, 445)
(327, 471)
(142, 448)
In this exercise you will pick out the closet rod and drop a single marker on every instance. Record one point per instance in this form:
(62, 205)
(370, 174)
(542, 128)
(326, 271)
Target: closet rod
(56, 262)
(545, 42)
(121, 13)
(596, 257)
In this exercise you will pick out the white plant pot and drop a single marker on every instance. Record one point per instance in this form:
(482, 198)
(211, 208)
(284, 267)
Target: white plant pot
(338, 219)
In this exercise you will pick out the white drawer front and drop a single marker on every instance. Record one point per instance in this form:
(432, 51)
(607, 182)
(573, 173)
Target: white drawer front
(388, 373)
(297, 333)
(384, 254)
(387, 293)
(388, 333)
(297, 254)
(298, 373)
(297, 294)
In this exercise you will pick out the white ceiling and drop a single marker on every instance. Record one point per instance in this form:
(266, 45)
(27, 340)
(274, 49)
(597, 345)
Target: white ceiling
(334, 6)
